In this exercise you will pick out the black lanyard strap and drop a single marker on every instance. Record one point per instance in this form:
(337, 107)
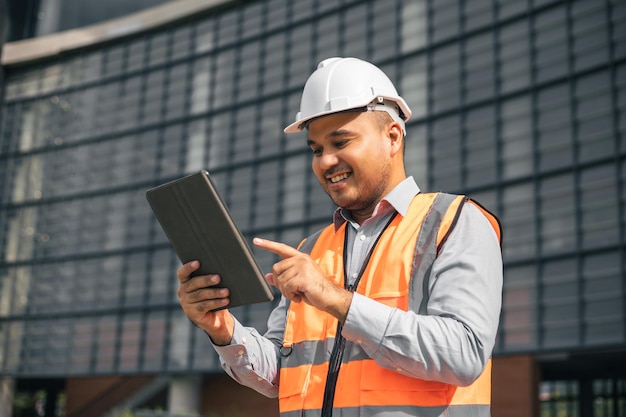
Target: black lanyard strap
(340, 342)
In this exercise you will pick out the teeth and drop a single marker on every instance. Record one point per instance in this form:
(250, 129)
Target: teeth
(338, 178)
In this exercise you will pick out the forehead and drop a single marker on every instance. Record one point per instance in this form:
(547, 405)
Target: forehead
(340, 124)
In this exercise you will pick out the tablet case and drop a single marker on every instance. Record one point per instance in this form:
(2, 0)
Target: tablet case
(198, 225)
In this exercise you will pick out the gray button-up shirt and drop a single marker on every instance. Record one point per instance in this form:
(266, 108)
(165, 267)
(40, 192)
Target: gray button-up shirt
(450, 344)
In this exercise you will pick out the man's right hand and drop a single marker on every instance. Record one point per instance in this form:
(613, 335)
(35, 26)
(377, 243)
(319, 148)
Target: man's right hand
(199, 298)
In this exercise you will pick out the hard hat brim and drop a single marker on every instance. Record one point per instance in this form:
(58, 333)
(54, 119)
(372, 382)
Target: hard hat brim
(300, 125)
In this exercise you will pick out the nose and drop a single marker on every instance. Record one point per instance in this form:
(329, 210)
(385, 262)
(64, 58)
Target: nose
(327, 160)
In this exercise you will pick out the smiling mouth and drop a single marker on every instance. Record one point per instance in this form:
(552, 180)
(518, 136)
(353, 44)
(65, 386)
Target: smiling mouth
(340, 177)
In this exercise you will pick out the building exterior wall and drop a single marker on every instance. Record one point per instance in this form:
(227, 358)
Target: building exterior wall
(222, 396)
(94, 396)
(519, 104)
(515, 380)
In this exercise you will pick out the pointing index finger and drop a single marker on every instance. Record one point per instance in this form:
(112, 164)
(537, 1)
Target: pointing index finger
(280, 249)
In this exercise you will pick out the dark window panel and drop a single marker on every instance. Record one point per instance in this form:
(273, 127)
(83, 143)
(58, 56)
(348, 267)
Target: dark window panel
(114, 61)
(445, 19)
(516, 134)
(618, 25)
(294, 189)
(224, 84)
(276, 11)
(254, 18)
(477, 14)
(267, 195)
(158, 49)
(558, 214)
(599, 209)
(293, 141)
(219, 138)
(560, 304)
(519, 222)
(229, 29)
(243, 141)
(603, 305)
(181, 42)
(136, 54)
(300, 61)
(446, 83)
(385, 42)
(519, 307)
(249, 68)
(162, 277)
(130, 344)
(355, 27)
(180, 336)
(414, 25)
(239, 195)
(269, 126)
(205, 35)
(329, 29)
(177, 92)
(273, 60)
(550, 44)
(304, 10)
(154, 340)
(171, 150)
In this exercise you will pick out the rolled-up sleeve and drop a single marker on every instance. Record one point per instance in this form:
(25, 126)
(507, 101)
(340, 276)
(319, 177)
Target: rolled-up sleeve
(454, 340)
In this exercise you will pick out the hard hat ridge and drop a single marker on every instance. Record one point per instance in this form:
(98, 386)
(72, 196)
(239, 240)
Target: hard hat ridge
(340, 84)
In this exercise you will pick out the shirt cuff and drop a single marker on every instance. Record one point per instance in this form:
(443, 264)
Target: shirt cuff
(235, 354)
(366, 322)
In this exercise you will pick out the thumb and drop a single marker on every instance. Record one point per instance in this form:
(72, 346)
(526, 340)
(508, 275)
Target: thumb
(269, 277)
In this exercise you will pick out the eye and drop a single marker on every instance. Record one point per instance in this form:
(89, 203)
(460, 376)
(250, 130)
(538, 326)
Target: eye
(316, 151)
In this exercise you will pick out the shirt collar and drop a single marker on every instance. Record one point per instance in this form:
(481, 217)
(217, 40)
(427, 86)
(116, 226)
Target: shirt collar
(398, 199)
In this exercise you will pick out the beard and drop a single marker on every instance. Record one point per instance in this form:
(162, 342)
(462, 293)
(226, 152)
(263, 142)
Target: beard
(363, 194)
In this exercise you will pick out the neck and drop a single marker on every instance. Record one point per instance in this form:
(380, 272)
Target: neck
(361, 216)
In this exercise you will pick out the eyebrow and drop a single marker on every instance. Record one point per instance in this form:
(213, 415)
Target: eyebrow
(339, 133)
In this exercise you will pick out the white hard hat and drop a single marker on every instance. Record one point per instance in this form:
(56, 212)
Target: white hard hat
(340, 84)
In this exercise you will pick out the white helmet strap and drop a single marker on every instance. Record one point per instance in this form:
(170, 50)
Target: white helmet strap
(380, 104)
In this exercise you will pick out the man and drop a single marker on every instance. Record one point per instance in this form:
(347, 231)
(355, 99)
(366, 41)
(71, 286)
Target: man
(391, 310)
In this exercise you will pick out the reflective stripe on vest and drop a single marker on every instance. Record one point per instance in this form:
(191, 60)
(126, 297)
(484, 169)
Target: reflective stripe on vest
(400, 411)
(407, 248)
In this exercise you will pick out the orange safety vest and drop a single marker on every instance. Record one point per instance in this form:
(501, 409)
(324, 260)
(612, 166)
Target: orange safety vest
(363, 388)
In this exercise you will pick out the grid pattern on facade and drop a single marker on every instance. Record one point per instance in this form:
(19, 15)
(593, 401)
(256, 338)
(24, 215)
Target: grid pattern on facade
(519, 105)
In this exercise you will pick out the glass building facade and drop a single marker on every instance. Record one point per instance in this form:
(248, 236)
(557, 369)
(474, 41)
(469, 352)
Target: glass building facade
(519, 104)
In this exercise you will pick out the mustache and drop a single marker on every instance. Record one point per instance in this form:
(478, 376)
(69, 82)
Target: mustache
(335, 170)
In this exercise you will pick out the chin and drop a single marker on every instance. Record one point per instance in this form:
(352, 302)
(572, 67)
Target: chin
(346, 204)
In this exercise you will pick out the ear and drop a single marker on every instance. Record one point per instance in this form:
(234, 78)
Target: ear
(396, 137)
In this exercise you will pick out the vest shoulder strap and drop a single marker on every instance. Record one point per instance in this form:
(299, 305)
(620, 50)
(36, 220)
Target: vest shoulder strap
(440, 221)
(449, 224)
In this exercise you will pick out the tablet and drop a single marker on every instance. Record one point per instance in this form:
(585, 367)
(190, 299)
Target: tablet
(199, 227)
